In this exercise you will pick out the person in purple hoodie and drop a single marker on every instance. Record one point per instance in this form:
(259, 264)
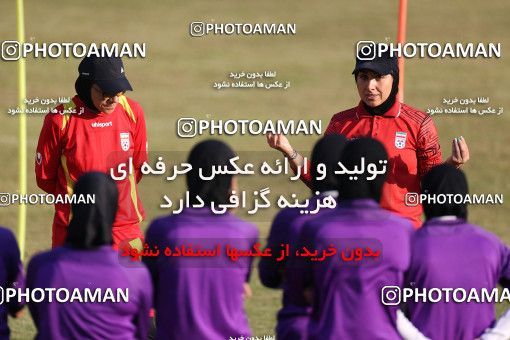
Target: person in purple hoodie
(93, 273)
(202, 297)
(11, 276)
(363, 247)
(293, 319)
(450, 253)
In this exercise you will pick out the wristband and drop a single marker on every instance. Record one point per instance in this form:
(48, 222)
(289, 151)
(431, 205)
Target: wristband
(293, 156)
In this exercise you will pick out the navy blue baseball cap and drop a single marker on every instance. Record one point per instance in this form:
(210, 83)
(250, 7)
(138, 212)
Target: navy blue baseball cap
(108, 73)
(384, 64)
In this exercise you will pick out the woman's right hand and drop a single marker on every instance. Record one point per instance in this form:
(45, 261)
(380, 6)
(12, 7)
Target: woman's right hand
(280, 143)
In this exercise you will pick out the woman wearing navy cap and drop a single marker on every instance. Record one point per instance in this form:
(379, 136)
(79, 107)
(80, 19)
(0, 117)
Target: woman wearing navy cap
(98, 130)
(408, 134)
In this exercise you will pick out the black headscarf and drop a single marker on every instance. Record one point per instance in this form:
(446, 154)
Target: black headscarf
(83, 87)
(204, 156)
(91, 224)
(373, 152)
(444, 179)
(327, 151)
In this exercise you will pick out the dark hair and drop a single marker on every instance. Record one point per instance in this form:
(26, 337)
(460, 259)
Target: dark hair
(373, 152)
(444, 179)
(91, 224)
(327, 151)
(204, 156)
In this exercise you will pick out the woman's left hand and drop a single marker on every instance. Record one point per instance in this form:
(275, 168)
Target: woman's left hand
(460, 152)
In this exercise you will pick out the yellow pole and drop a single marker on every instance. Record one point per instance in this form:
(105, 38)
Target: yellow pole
(22, 91)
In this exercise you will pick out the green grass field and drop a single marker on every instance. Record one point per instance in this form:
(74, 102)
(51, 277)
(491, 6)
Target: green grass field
(175, 80)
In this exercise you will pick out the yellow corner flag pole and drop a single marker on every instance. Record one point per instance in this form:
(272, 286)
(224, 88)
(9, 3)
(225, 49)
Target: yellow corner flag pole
(22, 91)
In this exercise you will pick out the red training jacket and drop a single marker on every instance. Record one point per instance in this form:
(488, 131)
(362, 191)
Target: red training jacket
(411, 141)
(71, 144)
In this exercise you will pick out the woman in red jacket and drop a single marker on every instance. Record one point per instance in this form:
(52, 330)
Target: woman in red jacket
(98, 130)
(408, 134)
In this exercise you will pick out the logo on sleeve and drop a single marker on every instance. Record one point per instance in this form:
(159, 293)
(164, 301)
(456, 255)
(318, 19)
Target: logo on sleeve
(124, 141)
(400, 140)
(38, 158)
